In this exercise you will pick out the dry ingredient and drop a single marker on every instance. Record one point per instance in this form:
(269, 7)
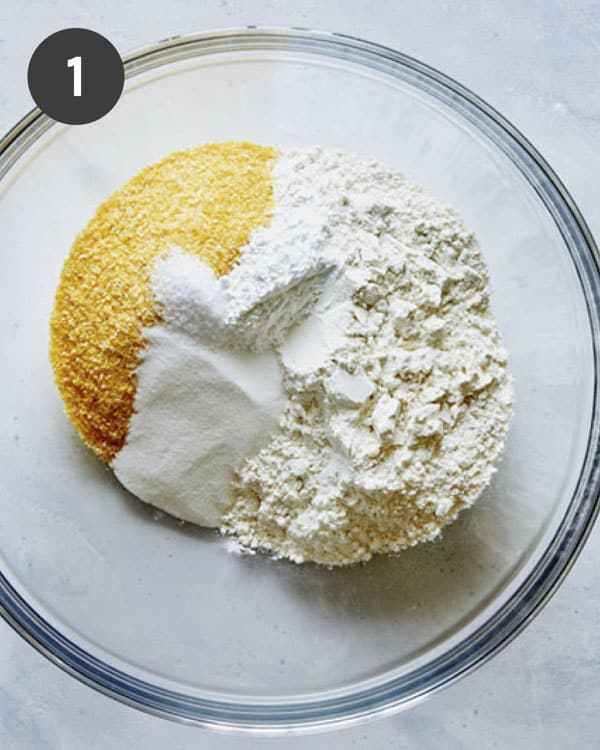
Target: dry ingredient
(398, 398)
(355, 313)
(167, 460)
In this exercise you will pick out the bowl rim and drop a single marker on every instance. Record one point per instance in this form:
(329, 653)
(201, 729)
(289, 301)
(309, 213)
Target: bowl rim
(489, 638)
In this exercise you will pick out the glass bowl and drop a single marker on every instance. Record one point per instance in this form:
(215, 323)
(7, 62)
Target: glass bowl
(164, 616)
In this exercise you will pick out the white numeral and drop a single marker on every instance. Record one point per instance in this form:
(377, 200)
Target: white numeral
(75, 63)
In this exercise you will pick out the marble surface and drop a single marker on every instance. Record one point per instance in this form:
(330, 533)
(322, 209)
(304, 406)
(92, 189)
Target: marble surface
(536, 62)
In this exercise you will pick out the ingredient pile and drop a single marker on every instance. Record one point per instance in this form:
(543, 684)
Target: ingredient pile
(295, 347)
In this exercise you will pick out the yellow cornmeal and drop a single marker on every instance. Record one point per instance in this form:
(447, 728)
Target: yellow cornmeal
(205, 200)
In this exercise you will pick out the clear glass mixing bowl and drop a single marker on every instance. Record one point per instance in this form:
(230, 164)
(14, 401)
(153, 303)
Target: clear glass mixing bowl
(162, 616)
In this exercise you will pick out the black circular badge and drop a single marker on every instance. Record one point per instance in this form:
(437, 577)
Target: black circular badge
(76, 76)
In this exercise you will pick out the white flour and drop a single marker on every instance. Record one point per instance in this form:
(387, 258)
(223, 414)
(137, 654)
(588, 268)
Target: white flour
(395, 398)
(397, 388)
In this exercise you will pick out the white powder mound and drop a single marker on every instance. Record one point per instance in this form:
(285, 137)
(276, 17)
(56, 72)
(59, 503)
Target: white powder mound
(398, 397)
(198, 412)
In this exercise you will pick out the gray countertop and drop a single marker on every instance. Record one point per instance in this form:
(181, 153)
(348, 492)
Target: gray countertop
(538, 63)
